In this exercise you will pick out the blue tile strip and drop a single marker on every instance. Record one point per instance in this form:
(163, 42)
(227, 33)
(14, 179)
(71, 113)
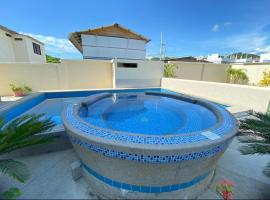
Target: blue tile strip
(226, 126)
(145, 189)
(149, 158)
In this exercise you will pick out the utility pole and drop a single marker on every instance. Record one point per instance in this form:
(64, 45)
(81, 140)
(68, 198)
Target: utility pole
(162, 48)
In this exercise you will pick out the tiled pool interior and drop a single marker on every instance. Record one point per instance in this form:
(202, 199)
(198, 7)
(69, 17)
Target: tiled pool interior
(53, 103)
(147, 114)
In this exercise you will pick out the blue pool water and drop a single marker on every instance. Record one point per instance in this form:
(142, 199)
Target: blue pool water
(53, 103)
(148, 114)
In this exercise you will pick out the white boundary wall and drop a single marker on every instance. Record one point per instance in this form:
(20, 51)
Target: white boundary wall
(80, 74)
(147, 74)
(254, 71)
(256, 98)
(67, 75)
(201, 71)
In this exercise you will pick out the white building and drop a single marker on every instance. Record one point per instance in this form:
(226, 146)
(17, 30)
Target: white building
(110, 42)
(15, 47)
(214, 58)
(265, 57)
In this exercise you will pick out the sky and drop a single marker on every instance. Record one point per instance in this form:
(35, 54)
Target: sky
(189, 27)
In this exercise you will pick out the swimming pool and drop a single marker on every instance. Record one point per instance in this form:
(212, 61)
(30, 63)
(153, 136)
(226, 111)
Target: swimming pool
(148, 144)
(53, 103)
(148, 114)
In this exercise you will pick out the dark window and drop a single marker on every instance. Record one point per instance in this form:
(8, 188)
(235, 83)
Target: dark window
(127, 65)
(36, 48)
(17, 38)
(8, 35)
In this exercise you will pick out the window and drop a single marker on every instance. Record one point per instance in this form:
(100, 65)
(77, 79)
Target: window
(127, 65)
(7, 34)
(17, 38)
(36, 48)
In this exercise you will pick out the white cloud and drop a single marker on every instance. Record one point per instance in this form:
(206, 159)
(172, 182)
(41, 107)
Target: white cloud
(227, 25)
(261, 50)
(215, 28)
(57, 46)
(250, 42)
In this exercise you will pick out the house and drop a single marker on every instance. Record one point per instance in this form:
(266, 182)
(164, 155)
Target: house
(265, 58)
(16, 47)
(110, 42)
(216, 58)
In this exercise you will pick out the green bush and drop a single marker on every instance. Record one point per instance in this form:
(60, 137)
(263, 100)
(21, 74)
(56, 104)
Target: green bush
(51, 59)
(169, 70)
(18, 134)
(237, 76)
(266, 79)
(256, 132)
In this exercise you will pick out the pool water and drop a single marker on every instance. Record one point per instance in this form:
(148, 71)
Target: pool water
(148, 114)
(55, 103)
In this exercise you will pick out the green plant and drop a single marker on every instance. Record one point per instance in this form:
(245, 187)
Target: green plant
(18, 134)
(237, 76)
(15, 88)
(169, 70)
(26, 89)
(266, 78)
(51, 59)
(22, 89)
(257, 136)
(12, 193)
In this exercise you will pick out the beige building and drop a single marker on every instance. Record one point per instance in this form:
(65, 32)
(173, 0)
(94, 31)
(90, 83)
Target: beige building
(16, 47)
(110, 42)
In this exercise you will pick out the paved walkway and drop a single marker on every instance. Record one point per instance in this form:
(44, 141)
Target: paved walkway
(51, 176)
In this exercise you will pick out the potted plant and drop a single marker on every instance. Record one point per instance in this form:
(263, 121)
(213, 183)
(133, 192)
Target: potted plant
(26, 89)
(17, 91)
(20, 91)
(225, 189)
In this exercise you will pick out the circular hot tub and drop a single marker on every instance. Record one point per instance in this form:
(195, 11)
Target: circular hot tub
(148, 145)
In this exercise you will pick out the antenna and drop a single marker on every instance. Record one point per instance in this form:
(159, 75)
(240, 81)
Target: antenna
(162, 48)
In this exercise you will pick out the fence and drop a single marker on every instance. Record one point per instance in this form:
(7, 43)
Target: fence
(252, 97)
(63, 76)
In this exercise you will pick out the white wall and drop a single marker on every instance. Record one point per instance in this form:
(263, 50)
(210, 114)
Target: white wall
(112, 47)
(147, 74)
(35, 58)
(12, 50)
(256, 98)
(201, 71)
(6, 47)
(254, 71)
(21, 51)
(70, 74)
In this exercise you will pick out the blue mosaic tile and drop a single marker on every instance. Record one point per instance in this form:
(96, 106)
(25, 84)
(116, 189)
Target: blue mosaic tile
(87, 129)
(149, 158)
(145, 189)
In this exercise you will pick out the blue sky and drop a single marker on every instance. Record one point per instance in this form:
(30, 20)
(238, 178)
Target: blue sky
(190, 27)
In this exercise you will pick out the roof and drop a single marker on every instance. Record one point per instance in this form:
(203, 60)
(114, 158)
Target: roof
(14, 32)
(114, 30)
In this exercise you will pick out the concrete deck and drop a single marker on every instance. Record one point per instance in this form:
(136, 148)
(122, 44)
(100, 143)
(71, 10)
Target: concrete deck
(51, 176)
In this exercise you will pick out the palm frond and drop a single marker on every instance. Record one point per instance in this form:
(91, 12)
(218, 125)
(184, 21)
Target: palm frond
(14, 169)
(255, 148)
(22, 132)
(12, 193)
(249, 139)
(266, 170)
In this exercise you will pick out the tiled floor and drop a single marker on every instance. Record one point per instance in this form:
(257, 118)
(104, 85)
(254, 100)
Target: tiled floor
(51, 176)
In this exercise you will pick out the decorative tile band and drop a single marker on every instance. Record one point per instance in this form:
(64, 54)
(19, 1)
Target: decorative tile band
(145, 189)
(149, 158)
(226, 127)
